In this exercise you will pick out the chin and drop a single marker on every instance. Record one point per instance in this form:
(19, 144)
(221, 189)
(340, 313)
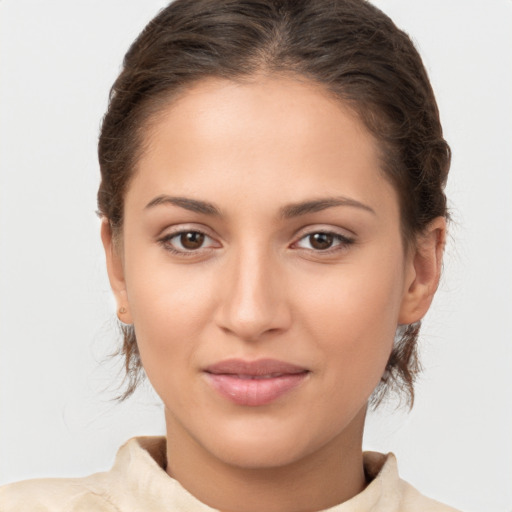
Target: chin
(261, 453)
(267, 444)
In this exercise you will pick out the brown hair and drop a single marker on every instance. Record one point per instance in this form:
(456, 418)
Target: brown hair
(349, 46)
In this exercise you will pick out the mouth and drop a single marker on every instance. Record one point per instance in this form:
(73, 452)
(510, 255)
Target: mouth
(254, 383)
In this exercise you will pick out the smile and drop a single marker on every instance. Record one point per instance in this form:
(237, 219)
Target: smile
(254, 383)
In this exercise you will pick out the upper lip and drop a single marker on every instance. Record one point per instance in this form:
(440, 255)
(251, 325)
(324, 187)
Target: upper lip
(254, 368)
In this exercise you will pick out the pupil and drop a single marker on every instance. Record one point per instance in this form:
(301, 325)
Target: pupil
(321, 240)
(192, 240)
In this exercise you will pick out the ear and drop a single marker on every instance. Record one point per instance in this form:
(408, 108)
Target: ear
(115, 270)
(424, 271)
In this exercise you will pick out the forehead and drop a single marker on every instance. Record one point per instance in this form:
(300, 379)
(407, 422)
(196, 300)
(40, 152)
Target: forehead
(270, 137)
(270, 106)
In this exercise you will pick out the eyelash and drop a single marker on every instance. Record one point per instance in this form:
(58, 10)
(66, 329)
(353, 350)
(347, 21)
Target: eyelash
(166, 242)
(342, 242)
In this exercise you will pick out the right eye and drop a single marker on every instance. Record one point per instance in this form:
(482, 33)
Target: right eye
(186, 242)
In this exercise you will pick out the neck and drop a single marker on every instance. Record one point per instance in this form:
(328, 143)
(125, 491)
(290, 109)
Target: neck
(320, 480)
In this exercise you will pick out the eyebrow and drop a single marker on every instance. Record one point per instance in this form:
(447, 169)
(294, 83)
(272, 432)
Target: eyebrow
(317, 205)
(287, 212)
(193, 205)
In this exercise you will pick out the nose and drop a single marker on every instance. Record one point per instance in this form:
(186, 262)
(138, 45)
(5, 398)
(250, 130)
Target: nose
(254, 301)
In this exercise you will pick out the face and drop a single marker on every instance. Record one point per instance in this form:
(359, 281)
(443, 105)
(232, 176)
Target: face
(263, 268)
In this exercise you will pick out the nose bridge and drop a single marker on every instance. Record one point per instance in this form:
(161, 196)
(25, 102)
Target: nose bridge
(254, 298)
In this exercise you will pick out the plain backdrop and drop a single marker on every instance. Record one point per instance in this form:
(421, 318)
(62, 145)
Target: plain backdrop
(57, 417)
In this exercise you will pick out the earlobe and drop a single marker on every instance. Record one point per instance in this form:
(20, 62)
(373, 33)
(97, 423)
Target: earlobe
(115, 272)
(424, 272)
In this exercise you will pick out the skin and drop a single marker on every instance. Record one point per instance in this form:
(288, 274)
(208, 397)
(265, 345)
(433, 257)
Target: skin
(258, 287)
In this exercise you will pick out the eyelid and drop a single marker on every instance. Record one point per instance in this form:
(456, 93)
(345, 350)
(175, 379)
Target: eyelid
(171, 232)
(323, 228)
(177, 229)
(340, 234)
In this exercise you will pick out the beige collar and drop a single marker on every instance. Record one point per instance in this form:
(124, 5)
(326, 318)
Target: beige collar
(140, 466)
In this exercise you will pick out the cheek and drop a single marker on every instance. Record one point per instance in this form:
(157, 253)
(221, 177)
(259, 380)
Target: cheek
(352, 316)
(169, 308)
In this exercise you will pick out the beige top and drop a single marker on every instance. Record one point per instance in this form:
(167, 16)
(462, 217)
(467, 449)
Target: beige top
(138, 483)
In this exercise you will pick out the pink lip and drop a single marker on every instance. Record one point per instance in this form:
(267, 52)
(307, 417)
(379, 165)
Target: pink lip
(254, 383)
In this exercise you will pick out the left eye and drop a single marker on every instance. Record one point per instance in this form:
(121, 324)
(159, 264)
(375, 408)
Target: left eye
(187, 241)
(321, 241)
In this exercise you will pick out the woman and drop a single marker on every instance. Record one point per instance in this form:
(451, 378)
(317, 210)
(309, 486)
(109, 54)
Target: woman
(273, 222)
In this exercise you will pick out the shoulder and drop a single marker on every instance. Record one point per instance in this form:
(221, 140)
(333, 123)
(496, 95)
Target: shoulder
(54, 495)
(391, 492)
(128, 485)
(413, 501)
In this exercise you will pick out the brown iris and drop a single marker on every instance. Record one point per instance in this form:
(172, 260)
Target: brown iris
(321, 241)
(192, 240)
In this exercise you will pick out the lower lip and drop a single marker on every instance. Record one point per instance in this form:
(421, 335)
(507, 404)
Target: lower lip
(254, 392)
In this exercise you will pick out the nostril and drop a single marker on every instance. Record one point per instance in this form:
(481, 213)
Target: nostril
(254, 328)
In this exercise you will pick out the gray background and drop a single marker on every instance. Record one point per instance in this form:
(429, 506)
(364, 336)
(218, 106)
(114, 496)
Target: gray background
(58, 60)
